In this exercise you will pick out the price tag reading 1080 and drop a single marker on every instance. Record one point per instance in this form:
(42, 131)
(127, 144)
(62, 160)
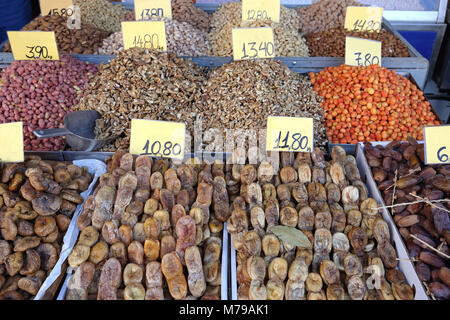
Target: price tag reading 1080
(437, 144)
(289, 134)
(253, 43)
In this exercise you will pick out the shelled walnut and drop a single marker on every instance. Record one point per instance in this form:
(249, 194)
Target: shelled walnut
(345, 243)
(38, 199)
(151, 232)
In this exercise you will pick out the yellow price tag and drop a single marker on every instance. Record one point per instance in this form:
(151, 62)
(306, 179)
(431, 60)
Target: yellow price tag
(147, 9)
(32, 45)
(362, 52)
(290, 134)
(157, 138)
(58, 7)
(437, 144)
(144, 34)
(363, 18)
(261, 10)
(11, 145)
(253, 43)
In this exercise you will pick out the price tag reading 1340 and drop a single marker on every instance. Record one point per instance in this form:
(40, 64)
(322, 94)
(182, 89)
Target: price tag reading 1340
(437, 144)
(33, 45)
(253, 43)
(363, 18)
(362, 52)
(157, 138)
(290, 134)
(147, 9)
(144, 34)
(261, 10)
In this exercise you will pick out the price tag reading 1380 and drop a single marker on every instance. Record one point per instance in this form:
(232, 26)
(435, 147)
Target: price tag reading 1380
(253, 43)
(437, 144)
(33, 45)
(147, 9)
(157, 138)
(290, 134)
(362, 52)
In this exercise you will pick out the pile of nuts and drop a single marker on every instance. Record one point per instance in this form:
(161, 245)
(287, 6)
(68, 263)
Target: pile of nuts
(331, 43)
(287, 40)
(144, 223)
(40, 93)
(101, 14)
(185, 11)
(86, 40)
(310, 231)
(371, 104)
(324, 14)
(141, 84)
(399, 168)
(182, 39)
(38, 199)
(242, 94)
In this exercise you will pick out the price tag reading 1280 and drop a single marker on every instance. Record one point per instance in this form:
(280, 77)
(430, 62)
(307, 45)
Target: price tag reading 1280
(437, 144)
(261, 10)
(362, 52)
(253, 43)
(157, 138)
(289, 134)
(33, 45)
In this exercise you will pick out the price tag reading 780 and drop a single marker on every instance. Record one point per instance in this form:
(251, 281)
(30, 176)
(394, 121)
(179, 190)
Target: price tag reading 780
(362, 52)
(253, 43)
(437, 144)
(290, 134)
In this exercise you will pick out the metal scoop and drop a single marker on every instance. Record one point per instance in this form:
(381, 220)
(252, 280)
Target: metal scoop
(78, 129)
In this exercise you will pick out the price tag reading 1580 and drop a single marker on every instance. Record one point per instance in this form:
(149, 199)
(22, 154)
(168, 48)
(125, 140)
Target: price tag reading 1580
(437, 144)
(289, 134)
(253, 43)
(56, 7)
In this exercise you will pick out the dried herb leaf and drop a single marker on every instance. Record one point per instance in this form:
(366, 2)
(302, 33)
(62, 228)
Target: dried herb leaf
(291, 236)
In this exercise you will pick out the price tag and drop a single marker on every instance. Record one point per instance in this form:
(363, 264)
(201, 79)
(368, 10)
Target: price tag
(290, 134)
(437, 144)
(144, 34)
(363, 18)
(157, 138)
(261, 10)
(362, 52)
(253, 43)
(58, 7)
(146, 9)
(32, 45)
(11, 145)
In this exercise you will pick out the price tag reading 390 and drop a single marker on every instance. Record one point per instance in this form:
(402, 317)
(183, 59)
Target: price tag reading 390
(157, 138)
(437, 144)
(56, 7)
(144, 34)
(261, 10)
(362, 52)
(33, 45)
(363, 18)
(147, 9)
(290, 134)
(253, 43)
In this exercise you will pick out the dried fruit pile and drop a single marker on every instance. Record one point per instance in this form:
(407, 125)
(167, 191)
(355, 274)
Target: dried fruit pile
(287, 40)
(38, 201)
(423, 226)
(86, 40)
(371, 104)
(141, 84)
(146, 226)
(310, 232)
(101, 14)
(331, 43)
(40, 93)
(185, 11)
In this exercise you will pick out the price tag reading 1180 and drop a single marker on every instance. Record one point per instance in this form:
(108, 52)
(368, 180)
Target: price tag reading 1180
(253, 43)
(363, 18)
(144, 34)
(362, 52)
(33, 45)
(157, 138)
(437, 144)
(290, 134)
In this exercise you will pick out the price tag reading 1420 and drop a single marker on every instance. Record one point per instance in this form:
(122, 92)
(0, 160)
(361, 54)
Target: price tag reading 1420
(289, 134)
(363, 18)
(362, 52)
(253, 43)
(157, 138)
(437, 144)
(32, 45)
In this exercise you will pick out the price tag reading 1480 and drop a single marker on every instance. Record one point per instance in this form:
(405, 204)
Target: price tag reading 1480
(437, 144)
(253, 43)
(289, 134)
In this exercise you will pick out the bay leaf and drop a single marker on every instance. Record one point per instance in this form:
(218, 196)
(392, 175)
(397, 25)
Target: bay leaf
(292, 236)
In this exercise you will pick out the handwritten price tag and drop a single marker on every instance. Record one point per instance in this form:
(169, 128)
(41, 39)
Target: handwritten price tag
(290, 134)
(11, 145)
(59, 7)
(146, 9)
(144, 34)
(261, 10)
(363, 18)
(437, 144)
(157, 138)
(253, 43)
(362, 52)
(32, 45)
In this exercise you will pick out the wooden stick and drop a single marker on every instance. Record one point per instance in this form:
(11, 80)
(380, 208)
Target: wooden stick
(393, 194)
(429, 202)
(414, 202)
(428, 246)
